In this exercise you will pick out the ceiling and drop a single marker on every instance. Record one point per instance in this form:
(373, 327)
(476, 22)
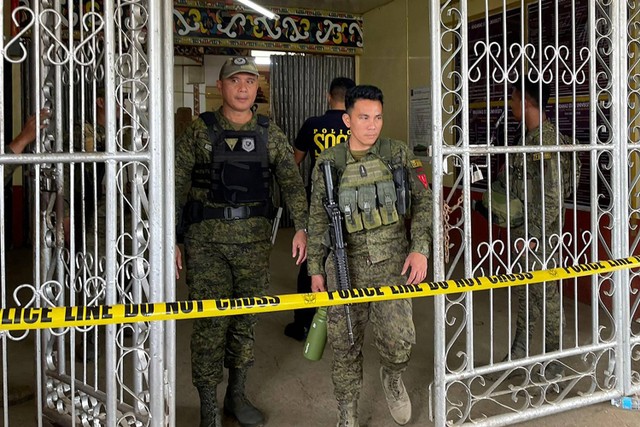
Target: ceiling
(357, 7)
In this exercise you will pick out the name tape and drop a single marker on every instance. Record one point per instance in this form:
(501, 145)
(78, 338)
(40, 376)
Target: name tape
(22, 318)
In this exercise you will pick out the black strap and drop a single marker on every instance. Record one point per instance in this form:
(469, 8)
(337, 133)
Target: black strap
(209, 119)
(196, 212)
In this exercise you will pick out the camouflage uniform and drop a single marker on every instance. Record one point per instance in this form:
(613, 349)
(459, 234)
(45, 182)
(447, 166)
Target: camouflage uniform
(375, 258)
(539, 194)
(229, 258)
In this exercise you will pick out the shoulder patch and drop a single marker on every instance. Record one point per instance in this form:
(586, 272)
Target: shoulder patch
(415, 163)
(541, 156)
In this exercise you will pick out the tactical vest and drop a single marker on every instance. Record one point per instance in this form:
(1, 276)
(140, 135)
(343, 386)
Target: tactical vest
(367, 191)
(238, 173)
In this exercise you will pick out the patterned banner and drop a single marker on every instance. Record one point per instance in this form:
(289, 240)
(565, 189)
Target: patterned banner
(302, 30)
(210, 24)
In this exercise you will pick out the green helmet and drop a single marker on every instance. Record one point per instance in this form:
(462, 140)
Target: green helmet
(498, 208)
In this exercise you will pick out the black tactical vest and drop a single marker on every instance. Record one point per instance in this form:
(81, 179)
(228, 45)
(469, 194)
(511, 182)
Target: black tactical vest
(239, 170)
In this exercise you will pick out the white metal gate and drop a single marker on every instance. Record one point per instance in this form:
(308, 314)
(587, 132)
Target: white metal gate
(588, 51)
(101, 177)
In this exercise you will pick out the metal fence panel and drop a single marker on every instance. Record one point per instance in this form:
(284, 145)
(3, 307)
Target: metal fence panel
(577, 347)
(102, 223)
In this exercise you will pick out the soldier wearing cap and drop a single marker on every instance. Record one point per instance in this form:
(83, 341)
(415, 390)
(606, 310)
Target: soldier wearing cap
(225, 162)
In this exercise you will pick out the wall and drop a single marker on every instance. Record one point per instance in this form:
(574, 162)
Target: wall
(396, 59)
(385, 62)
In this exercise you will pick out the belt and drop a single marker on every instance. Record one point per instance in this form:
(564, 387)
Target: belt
(198, 212)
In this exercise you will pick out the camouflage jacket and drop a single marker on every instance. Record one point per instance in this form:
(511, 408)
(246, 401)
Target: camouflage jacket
(385, 241)
(542, 196)
(194, 147)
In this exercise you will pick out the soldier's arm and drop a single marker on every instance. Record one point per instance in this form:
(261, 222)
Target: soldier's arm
(318, 224)
(421, 207)
(289, 178)
(185, 159)
(543, 195)
(552, 188)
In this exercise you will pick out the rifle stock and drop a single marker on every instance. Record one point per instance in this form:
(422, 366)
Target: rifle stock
(337, 240)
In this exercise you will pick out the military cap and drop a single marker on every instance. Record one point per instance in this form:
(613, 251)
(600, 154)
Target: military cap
(238, 64)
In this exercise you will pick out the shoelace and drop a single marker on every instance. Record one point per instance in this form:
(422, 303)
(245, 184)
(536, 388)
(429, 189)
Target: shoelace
(394, 385)
(344, 422)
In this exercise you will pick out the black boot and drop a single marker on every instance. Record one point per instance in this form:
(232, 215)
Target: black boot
(209, 413)
(236, 402)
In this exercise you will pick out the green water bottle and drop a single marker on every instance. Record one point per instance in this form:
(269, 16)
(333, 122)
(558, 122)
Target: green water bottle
(317, 337)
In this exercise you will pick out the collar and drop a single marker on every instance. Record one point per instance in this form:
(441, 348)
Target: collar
(373, 150)
(228, 125)
(535, 133)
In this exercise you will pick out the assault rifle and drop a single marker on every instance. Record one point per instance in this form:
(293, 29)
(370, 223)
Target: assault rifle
(337, 239)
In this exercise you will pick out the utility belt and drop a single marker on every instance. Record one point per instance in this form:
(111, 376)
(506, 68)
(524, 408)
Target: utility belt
(195, 212)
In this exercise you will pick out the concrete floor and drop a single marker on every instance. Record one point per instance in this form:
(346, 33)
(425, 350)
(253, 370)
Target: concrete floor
(294, 392)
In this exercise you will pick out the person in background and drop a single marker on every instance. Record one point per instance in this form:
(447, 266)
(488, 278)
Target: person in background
(316, 135)
(541, 191)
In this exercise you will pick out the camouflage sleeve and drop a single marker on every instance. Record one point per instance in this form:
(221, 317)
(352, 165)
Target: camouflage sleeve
(185, 159)
(421, 206)
(545, 195)
(318, 222)
(289, 178)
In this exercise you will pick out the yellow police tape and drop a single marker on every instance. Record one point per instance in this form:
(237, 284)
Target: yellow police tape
(22, 318)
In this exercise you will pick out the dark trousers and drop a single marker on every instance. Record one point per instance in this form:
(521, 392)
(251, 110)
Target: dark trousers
(304, 316)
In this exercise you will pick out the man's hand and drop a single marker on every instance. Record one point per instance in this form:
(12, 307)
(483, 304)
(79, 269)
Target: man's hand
(28, 133)
(418, 264)
(519, 245)
(299, 246)
(178, 262)
(317, 283)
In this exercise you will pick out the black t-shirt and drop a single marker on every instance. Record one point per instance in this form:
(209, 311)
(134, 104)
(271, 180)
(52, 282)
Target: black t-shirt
(322, 132)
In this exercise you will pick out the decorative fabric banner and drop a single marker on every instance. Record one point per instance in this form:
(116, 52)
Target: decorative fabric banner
(303, 30)
(214, 24)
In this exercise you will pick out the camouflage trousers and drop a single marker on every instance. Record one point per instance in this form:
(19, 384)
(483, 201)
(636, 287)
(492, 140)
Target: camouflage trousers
(539, 301)
(392, 324)
(214, 271)
(541, 296)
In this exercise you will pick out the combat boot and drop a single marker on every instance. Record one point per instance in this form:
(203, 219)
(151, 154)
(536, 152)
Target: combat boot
(209, 413)
(236, 402)
(397, 396)
(348, 414)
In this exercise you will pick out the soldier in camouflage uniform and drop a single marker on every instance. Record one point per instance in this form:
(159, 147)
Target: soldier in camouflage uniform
(378, 251)
(227, 244)
(535, 179)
